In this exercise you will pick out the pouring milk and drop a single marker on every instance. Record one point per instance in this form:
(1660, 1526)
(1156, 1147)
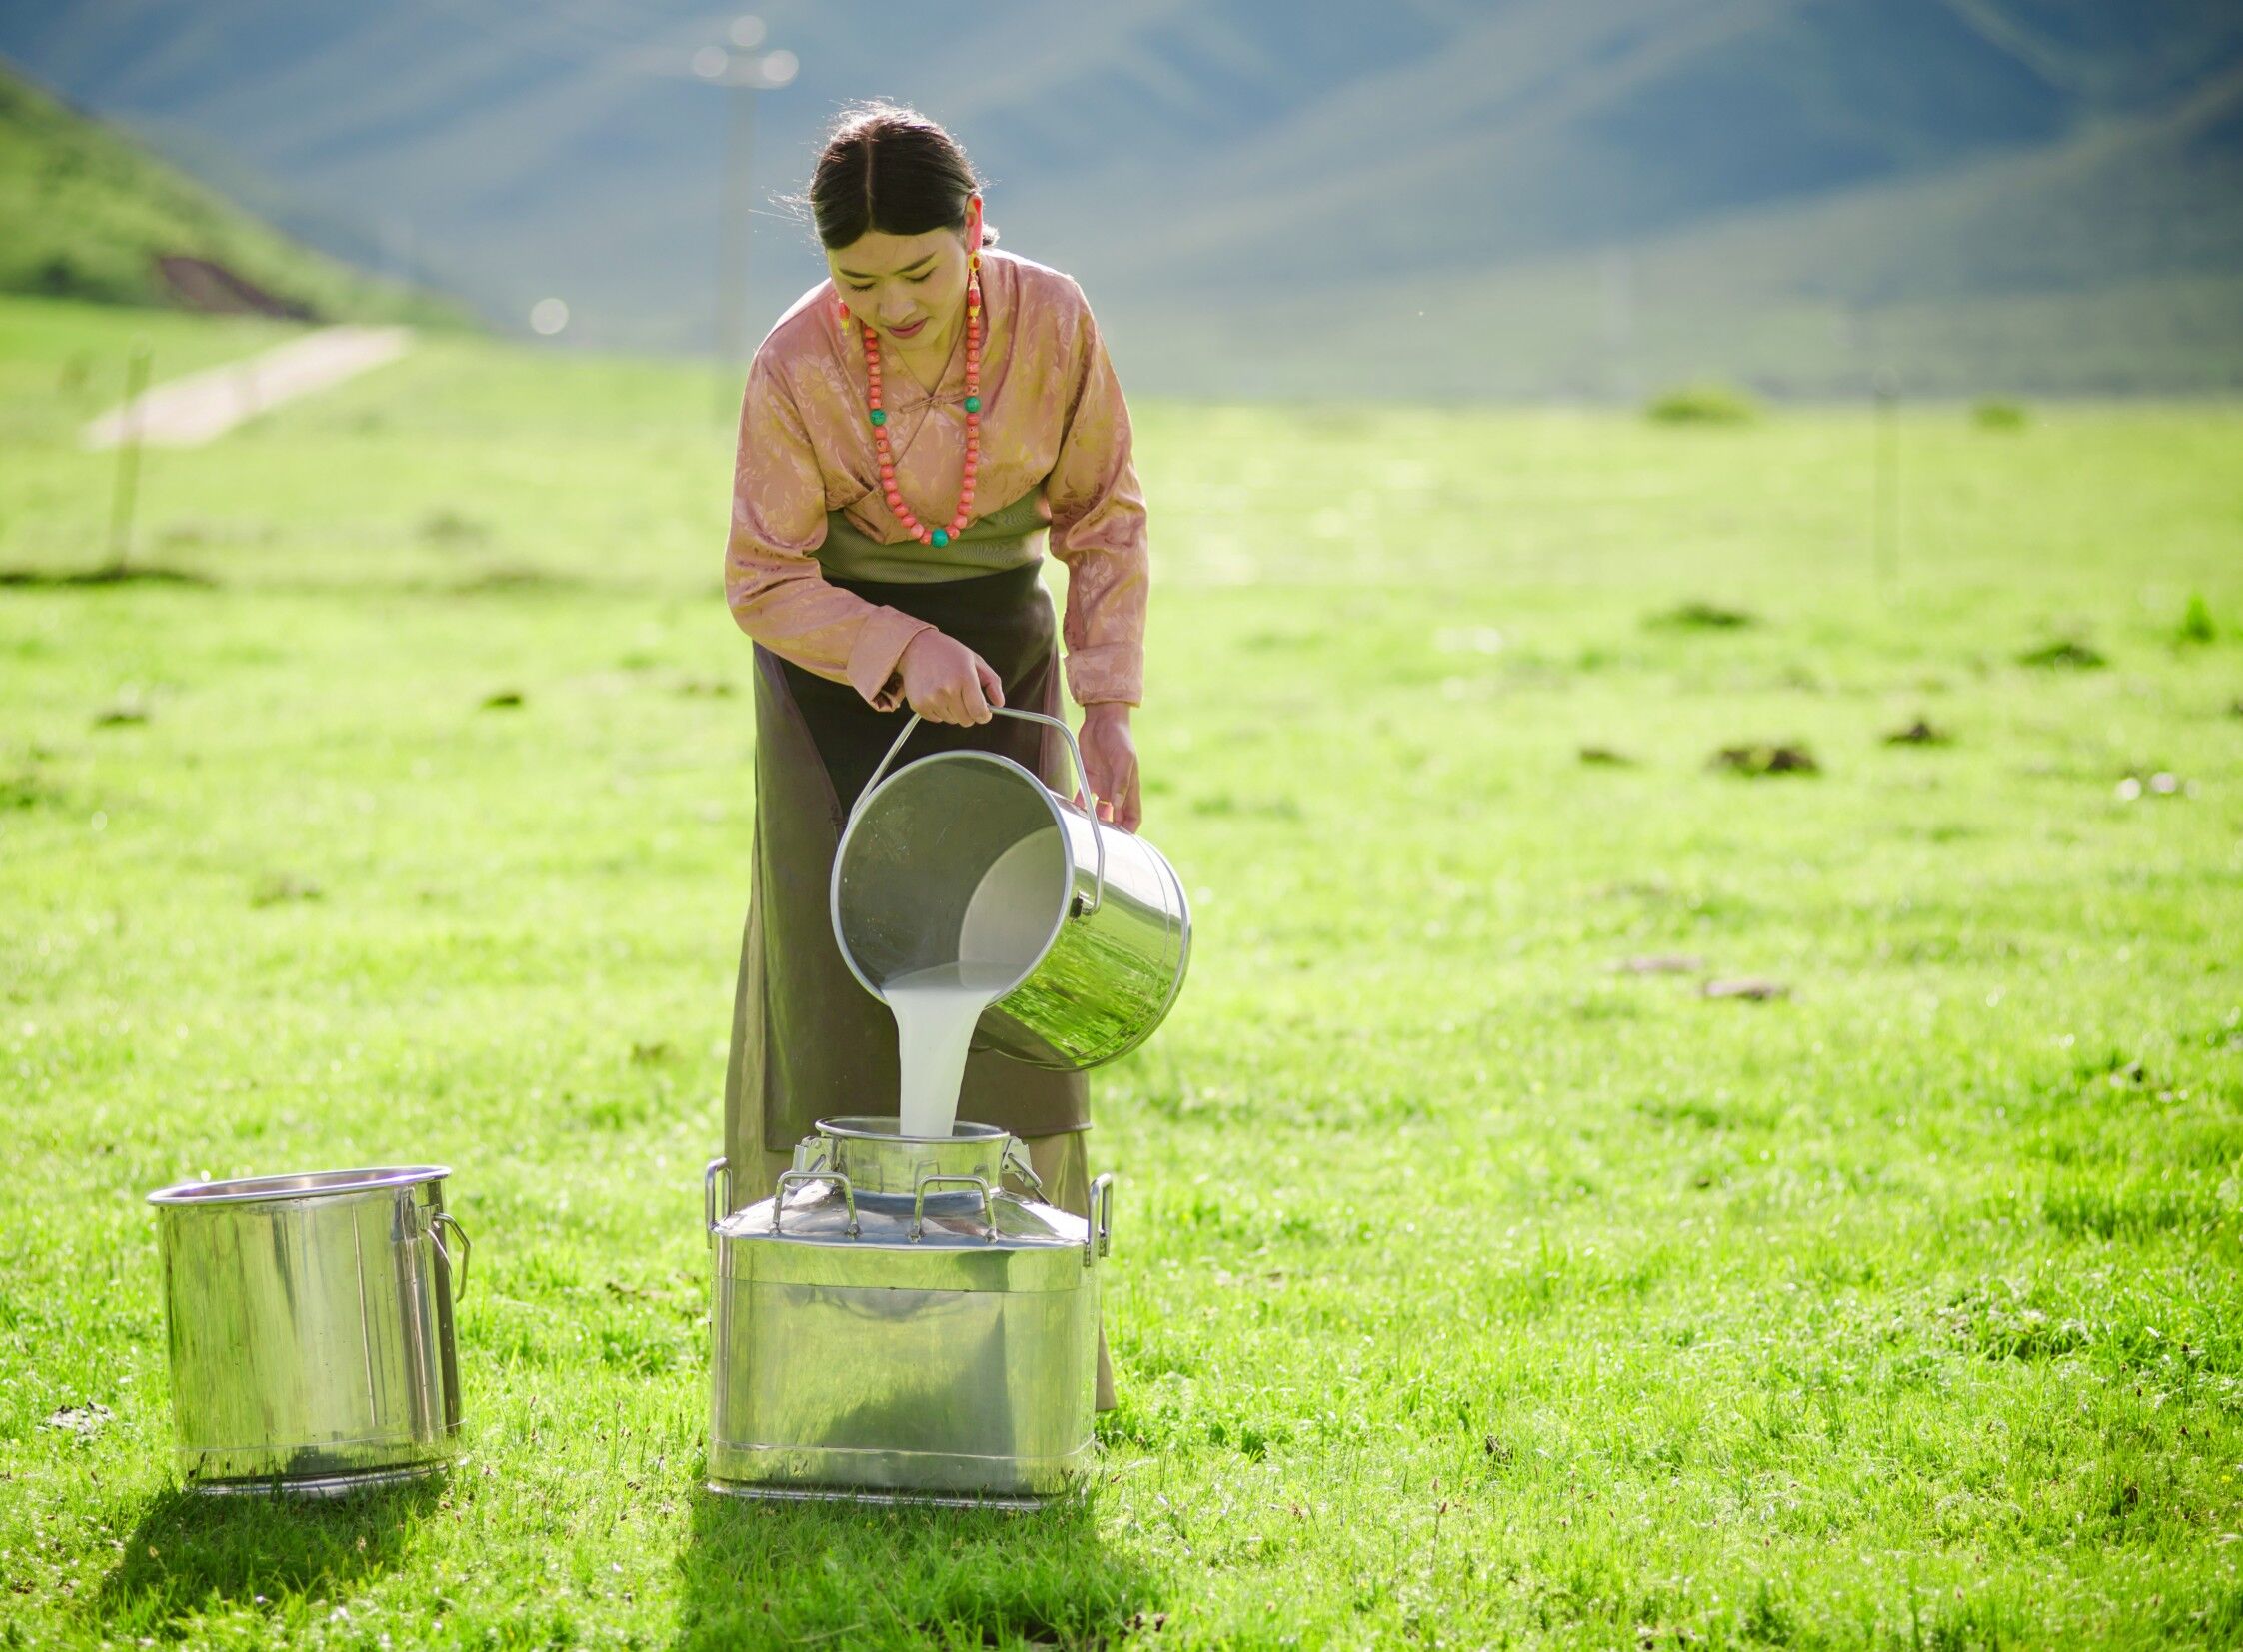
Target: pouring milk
(936, 1009)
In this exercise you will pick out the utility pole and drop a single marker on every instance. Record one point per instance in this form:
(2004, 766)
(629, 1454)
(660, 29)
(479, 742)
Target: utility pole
(125, 492)
(741, 72)
(1885, 481)
(736, 69)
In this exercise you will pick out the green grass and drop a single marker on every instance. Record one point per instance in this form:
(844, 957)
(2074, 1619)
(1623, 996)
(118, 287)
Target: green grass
(1466, 1288)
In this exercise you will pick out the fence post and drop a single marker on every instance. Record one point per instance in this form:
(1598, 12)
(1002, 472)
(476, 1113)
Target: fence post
(127, 486)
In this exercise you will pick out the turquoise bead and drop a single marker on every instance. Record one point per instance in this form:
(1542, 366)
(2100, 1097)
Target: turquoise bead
(879, 416)
(940, 536)
(973, 404)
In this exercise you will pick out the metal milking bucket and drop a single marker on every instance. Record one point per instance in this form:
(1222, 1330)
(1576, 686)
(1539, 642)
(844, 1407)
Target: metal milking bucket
(904, 1319)
(1099, 951)
(309, 1325)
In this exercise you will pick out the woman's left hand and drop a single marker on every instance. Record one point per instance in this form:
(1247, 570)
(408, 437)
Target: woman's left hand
(1110, 753)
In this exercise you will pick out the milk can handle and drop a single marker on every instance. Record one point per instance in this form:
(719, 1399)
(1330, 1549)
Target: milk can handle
(1082, 776)
(719, 1171)
(919, 1202)
(1017, 1162)
(803, 1178)
(1101, 1235)
(442, 1219)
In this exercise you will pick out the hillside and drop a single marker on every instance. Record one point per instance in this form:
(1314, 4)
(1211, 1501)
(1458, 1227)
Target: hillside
(2039, 195)
(89, 215)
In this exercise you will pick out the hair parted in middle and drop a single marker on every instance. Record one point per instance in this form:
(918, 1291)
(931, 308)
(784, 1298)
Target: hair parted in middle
(889, 167)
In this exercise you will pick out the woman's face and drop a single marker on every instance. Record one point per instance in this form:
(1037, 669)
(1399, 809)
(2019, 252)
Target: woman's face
(912, 288)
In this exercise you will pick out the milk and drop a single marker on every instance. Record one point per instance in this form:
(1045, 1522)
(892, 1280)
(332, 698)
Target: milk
(935, 1010)
(1007, 925)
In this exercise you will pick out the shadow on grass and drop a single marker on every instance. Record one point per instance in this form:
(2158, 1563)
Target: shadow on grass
(862, 1575)
(190, 1552)
(108, 573)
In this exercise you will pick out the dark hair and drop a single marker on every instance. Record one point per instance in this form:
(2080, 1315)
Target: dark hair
(888, 168)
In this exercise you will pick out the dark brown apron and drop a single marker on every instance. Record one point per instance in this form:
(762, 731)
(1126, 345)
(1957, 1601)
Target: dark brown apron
(808, 1042)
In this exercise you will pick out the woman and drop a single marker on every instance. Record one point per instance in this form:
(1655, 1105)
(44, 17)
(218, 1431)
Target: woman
(912, 428)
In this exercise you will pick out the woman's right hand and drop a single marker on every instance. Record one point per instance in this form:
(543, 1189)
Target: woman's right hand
(946, 682)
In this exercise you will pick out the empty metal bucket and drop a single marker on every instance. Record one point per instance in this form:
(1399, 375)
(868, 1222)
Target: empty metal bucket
(1095, 952)
(310, 1321)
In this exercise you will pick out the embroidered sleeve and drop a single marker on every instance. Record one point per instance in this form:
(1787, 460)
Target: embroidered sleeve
(1098, 530)
(773, 583)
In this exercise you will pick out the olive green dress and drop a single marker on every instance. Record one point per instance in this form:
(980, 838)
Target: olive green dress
(808, 1042)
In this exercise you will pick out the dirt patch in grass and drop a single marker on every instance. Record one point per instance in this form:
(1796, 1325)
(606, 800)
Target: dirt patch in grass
(1660, 964)
(85, 1421)
(1757, 761)
(1922, 732)
(284, 888)
(1748, 988)
(2067, 653)
(1700, 615)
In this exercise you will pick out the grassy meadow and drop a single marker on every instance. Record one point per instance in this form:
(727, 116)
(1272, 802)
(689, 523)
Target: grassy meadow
(1487, 1269)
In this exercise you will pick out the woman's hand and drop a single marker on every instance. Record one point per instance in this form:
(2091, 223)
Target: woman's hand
(1110, 753)
(946, 682)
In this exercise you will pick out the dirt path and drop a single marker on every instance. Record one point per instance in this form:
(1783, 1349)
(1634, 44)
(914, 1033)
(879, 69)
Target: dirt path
(202, 407)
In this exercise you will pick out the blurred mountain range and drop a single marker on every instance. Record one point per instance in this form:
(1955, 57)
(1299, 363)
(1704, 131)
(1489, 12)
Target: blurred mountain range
(1570, 198)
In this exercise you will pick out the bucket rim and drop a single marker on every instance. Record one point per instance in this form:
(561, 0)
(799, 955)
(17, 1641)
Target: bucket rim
(312, 1184)
(1053, 803)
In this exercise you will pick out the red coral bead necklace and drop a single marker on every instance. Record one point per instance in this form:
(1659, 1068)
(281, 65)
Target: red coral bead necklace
(878, 416)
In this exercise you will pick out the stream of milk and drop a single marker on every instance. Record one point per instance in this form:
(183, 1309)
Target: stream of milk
(935, 1010)
(1006, 924)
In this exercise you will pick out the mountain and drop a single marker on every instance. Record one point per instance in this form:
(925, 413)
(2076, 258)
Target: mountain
(1431, 197)
(2109, 261)
(88, 214)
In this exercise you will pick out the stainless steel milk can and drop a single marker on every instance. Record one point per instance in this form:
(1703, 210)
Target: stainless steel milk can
(1096, 950)
(310, 1322)
(904, 1319)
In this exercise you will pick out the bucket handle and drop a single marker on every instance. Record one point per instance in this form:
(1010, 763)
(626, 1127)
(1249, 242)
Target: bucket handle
(1082, 776)
(442, 1219)
(919, 1202)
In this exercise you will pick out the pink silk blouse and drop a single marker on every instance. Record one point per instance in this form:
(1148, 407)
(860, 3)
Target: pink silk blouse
(1052, 422)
